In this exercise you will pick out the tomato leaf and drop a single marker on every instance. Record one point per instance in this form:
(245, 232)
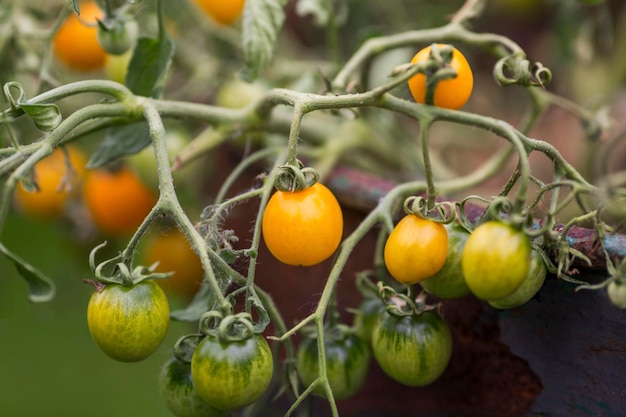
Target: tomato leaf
(40, 287)
(262, 23)
(46, 116)
(201, 303)
(150, 62)
(120, 141)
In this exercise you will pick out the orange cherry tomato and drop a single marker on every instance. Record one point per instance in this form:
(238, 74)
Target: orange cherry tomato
(56, 183)
(174, 254)
(449, 93)
(117, 200)
(222, 11)
(76, 43)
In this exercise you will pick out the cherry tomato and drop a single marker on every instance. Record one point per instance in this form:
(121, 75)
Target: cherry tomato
(303, 228)
(617, 293)
(128, 323)
(116, 66)
(449, 282)
(178, 392)
(347, 363)
(415, 349)
(233, 374)
(174, 254)
(449, 93)
(416, 249)
(529, 288)
(117, 200)
(57, 185)
(496, 260)
(76, 43)
(119, 38)
(224, 12)
(366, 317)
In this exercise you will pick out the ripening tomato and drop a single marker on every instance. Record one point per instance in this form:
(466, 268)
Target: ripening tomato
(496, 260)
(231, 374)
(57, 183)
(529, 288)
(347, 363)
(172, 251)
(128, 322)
(117, 201)
(303, 228)
(76, 43)
(449, 93)
(416, 249)
(449, 282)
(179, 394)
(224, 12)
(415, 349)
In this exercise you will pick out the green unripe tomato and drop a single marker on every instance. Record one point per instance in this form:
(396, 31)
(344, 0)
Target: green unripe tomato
(347, 363)
(118, 38)
(617, 294)
(414, 350)
(365, 319)
(236, 93)
(449, 282)
(178, 392)
(530, 286)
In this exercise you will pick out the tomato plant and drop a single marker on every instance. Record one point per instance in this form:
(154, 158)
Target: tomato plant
(117, 200)
(76, 42)
(173, 253)
(57, 180)
(413, 349)
(231, 374)
(451, 93)
(495, 270)
(128, 322)
(179, 394)
(303, 228)
(530, 286)
(347, 362)
(449, 281)
(416, 249)
(223, 12)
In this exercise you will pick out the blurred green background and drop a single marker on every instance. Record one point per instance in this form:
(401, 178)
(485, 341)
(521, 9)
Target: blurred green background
(50, 365)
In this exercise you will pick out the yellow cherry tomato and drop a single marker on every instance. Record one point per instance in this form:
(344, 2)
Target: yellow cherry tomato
(416, 249)
(449, 93)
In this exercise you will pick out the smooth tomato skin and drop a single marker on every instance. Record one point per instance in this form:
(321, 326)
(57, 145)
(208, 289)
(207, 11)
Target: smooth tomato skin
(117, 201)
(76, 44)
(303, 228)
(231, 375)
(128, 323)
(449, 282)
(179, 394)
(224, 12)
(529, 288)
(50, 201)
(413, 350)
(370, 309)
(415, 249)
(347, 363)
(617, 294)
(174, 254)
(451, 93)
(496, 260)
